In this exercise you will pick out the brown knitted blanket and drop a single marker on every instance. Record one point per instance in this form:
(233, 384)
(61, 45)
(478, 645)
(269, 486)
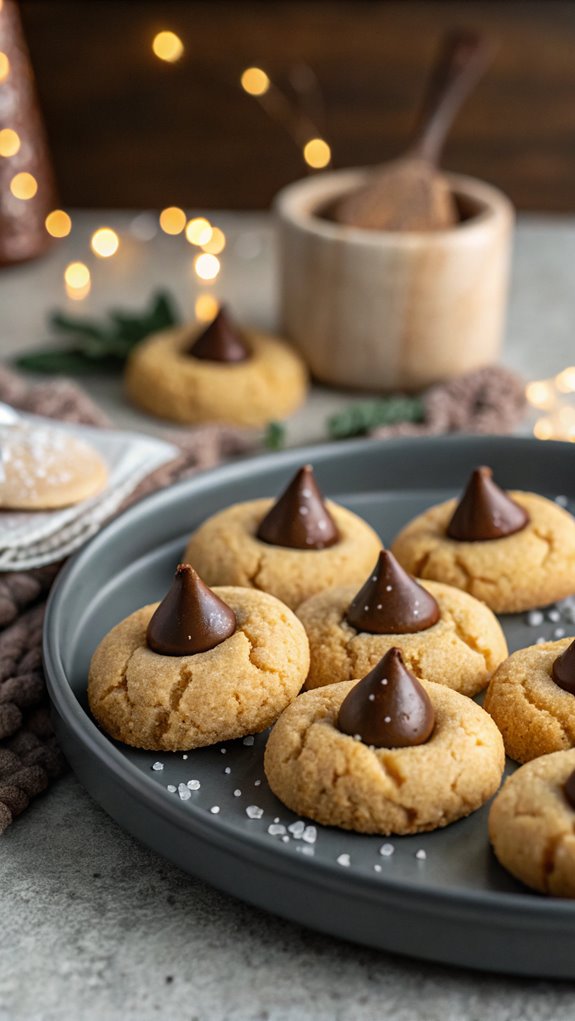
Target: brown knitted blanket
(29, 756)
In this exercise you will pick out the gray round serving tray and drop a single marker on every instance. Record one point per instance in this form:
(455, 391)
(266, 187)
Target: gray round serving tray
(452, 904)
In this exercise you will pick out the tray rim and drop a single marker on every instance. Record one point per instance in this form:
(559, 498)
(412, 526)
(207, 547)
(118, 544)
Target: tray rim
(528, 907)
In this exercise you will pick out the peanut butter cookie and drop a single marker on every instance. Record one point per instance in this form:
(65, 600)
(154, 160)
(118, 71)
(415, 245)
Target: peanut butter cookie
(198, 668)
(532, 824)
(386, 754)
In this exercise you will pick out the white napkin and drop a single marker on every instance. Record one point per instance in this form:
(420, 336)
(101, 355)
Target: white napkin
(33, 538)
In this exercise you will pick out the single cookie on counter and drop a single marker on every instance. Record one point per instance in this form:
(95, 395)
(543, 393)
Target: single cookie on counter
(515, 551)
(201, 666)
(292, 548)
(46, 468)
(386, 754)
(444, 634)
(531, 697)
(532, 824)
(220, 374)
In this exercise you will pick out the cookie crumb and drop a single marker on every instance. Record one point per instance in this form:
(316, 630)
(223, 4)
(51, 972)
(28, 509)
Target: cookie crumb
(344, 860)
(254, 812)
(386, 850)
(157, 766)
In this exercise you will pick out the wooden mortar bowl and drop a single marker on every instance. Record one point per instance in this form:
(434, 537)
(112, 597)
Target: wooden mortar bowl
(377, 310)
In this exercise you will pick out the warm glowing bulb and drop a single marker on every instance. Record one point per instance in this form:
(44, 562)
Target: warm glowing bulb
(207, 266)
(565, 381)
(58, 223)
(168, 46)
(199, 231)
(4, 67)
(9, 142)
(540, 394)
(77, 280)
(217, 242)
(24, 185)
(104, 242)
(255, 81)
(173, 220)
(316, 153)
(206, 308)
(543, 429)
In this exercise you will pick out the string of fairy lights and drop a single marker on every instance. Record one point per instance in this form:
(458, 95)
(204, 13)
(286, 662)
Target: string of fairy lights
(198, 231)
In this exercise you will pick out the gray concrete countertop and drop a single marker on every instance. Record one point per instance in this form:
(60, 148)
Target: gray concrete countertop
(96, 927)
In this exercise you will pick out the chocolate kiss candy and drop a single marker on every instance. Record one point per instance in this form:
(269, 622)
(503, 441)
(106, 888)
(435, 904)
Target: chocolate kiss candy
(563, 671)
(221, 341)
(389, 708)
(191, 618)
(485, 511)
(391, 602)
(299, 519)
(569, 789)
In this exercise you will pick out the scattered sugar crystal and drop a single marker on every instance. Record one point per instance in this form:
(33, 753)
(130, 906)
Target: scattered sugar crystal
(344, 859)
(237, 793)
(253, 812)
(215, 809)
(249, 740)
(297, 829)
(534, 618)
(158, 765)
(421, 855)
(194, 785)
(309, 835)
(171, 788)
(554, 616)
(276, 829)
(228, 769)
(559, 632)
(386, 850)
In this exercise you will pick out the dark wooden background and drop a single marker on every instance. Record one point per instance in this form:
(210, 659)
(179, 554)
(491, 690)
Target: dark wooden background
(129, 130)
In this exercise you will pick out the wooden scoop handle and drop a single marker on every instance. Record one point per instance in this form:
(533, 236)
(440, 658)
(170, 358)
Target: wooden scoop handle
(463, 57)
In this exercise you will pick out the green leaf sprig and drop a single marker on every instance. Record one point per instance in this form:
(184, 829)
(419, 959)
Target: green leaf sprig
(99, 346)
(362, 418)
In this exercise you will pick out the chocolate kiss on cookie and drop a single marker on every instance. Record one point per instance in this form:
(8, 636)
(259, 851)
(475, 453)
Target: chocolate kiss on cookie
(191, 618)
(299, 519)
(485, 511)
(391, 602)
(221, 341)
(563, 671)
(569, 789)
(389, 708)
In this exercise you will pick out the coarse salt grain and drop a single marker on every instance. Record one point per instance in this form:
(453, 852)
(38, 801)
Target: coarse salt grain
(157, 766)
(223, 751)
(184, 757)
(344, 860)
(276, 829)
(257, 783)
(249, 740)
(421, 855)
(562, 500)
(554, 616)
(306, 849)
(285, 839)
(297, 829)
(386, 850)
(559, 632)
(193, 785)
(309, 835)
(171, 788)
(184, 793)
(228, 769)
(377, 868)
(237, 793)
(215, 809)
(254, 812)
(534, 618)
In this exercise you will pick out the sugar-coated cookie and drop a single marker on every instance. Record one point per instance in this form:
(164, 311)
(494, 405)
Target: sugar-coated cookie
(44, 468)
(385, 754)
(514, 551)
(531, 697)
(532, 824)
(460, 644)
(292, 548)
(198, 668)
(220, 374)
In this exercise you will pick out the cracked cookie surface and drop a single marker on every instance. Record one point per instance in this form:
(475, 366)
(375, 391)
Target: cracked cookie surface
(164, 380)
(531, 568)
(535, 716)
(171, 703)
(461, 651)
(532, 825)
(225, 551)
(328, 776)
